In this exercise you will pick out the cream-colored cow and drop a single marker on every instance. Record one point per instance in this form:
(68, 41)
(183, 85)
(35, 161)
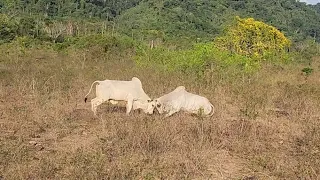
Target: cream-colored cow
(114, 91)
(180, 99)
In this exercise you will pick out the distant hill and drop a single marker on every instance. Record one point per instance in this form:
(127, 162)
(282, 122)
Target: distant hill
(206, 18)
(316, 7)
(178, 18)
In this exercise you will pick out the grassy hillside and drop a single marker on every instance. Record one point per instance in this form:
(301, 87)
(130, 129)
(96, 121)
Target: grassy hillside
(174, 19)
(265, 126)
(206, 19)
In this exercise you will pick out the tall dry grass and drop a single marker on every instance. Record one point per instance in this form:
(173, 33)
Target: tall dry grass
(266, 126)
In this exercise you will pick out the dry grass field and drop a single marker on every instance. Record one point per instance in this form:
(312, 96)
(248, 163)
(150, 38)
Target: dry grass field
(265, 127)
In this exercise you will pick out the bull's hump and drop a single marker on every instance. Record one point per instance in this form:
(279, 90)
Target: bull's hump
(137, 80)
(181, 88)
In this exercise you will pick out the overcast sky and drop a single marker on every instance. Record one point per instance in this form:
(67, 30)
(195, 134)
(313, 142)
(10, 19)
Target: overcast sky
(310, 1)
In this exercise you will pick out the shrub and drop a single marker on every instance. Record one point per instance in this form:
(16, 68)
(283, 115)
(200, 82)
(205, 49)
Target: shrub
(253, 39)
(245, 44)
(8, 29)
(306, 49)
(27, 27)
(195, 60)
(106, 41)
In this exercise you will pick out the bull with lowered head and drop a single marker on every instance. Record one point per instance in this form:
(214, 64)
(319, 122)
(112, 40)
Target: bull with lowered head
(114, 91)
(180, 99)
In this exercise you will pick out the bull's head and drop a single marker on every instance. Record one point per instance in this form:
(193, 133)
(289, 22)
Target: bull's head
(158, 105)
(151, 105)
(146, 106)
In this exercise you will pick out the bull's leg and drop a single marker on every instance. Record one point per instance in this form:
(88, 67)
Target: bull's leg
(129, 104)
(171, 113)
(168, 114)
(94, 104)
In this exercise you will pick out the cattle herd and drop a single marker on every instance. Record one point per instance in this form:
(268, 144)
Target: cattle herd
(135, 97)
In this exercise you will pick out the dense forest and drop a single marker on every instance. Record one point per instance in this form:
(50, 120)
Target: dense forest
(172, 18)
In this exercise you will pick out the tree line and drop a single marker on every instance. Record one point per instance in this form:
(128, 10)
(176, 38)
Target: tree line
(194, 19)
(104, 9)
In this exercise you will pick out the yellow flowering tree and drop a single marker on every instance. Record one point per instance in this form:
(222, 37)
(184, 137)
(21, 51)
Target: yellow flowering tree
(252, 38)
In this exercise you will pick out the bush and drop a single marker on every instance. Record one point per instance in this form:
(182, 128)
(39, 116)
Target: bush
(27, 27)
(8, 29)
(195, 60)
(245, 45)
(105, 41)
(305, 50)
(253, 39)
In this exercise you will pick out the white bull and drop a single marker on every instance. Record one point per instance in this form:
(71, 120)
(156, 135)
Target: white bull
(114, 91)
(180, 99)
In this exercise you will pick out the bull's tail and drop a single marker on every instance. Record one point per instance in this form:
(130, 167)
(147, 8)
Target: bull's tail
(85, 99)
(212, 110)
